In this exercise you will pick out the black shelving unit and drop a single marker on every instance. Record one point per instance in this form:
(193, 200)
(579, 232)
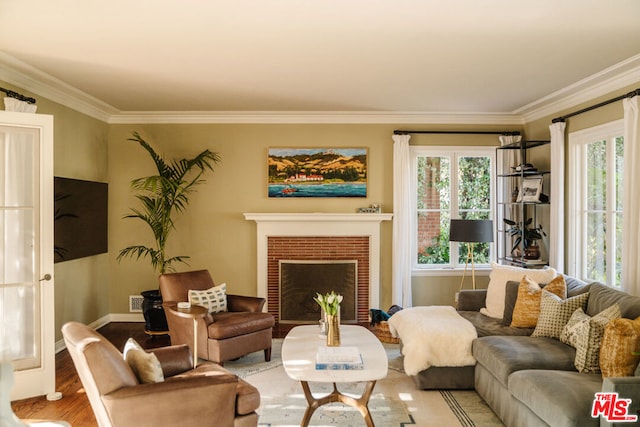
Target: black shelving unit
(513, 205)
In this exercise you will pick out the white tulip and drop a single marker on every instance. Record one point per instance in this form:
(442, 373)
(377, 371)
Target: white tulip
(339, 299)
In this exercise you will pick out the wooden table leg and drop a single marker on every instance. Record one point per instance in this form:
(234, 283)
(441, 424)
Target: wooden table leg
(335, 396)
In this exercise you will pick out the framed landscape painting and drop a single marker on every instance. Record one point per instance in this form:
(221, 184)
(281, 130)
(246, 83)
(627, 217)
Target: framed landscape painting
(317, 172)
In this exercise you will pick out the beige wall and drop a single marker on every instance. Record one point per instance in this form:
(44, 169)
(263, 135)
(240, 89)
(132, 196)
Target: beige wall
(80, 152)
(213, 231)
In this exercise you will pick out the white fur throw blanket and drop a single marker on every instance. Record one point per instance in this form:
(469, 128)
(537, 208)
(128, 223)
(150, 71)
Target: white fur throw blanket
(433, 336)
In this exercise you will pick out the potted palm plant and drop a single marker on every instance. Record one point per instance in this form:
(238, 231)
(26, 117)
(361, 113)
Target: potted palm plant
(162, 197)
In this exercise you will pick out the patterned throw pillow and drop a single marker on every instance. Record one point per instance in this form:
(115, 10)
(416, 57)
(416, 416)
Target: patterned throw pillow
(621, 339)
(556, 312)
(589, 337)
(569, 334)
(145, 366)
(213, 299)
(527, 308)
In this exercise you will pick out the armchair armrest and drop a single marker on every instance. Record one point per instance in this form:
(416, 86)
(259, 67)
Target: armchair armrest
(245, 303)
(471, 299)
(186, 401)
(175, 359)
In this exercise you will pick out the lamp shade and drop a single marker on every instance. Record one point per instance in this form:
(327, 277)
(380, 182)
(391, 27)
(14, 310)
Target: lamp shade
(471, 230)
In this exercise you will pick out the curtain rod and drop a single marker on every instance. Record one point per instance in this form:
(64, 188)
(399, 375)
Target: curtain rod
(593, 107)
(12, 94)
(461, 132)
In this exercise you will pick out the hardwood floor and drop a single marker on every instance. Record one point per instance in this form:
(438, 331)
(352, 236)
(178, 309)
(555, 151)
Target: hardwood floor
(74, 406)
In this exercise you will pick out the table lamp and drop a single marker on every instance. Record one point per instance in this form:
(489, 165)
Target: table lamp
(470, 231)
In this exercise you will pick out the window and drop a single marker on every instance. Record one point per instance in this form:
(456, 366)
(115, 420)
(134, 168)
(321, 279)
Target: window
(595, 248)
(449, 182)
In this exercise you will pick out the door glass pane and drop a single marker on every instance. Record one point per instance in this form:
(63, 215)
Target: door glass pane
(19, 291)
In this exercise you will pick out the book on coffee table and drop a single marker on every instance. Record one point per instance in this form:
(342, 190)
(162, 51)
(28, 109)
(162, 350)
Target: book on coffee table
(335, 358)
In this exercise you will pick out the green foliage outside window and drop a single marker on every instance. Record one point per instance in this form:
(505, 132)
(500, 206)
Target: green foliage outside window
(474, 202)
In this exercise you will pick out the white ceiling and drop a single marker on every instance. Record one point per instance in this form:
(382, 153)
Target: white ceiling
(444, 56)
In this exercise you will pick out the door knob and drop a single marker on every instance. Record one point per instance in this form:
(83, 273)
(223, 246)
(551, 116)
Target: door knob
(46, 277)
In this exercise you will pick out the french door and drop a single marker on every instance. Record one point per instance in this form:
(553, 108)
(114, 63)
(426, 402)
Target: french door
(27, 331)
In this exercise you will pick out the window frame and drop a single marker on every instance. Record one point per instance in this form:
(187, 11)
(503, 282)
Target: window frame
(454, 153)
(577, 209)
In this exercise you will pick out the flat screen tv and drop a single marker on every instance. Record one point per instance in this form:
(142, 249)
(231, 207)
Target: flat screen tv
(80, 222)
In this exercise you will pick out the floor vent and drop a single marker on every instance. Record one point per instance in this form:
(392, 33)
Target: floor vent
(135, 303)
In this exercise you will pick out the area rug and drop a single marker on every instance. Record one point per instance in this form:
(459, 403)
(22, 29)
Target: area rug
(254, 363)
(285, 407)
(470, 409)
(285, 411)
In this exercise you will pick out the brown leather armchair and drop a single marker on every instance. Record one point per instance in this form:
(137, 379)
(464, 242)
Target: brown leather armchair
(241, 330)
(208, 395)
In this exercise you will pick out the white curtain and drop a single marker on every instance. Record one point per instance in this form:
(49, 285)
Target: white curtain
(401, 258)
(556, 226)
(13, 104)
(631, 219)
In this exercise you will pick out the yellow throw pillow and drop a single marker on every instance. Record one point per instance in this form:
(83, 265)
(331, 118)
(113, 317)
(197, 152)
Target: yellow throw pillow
(621, 338)
(527, 308)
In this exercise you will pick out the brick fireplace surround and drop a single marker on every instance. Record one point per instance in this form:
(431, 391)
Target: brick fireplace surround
(319, 236)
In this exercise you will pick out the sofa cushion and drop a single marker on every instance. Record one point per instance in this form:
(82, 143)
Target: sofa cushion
(575, 286)
(510, 297)
(487, 326)
(555, 313)
(232, 324)
(498, 278)
(559, 398)
(247, 396)
(602, 297)
(502, 355)
(527, 307)
(621, 338)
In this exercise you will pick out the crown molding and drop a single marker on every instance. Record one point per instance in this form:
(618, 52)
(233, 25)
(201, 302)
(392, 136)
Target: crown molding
(609, 80)
(312, 117)
(31, 79)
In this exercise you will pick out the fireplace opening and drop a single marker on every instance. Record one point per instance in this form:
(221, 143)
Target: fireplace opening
(300, 280)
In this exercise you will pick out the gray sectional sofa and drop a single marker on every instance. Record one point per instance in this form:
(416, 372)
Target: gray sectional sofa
(532, 381)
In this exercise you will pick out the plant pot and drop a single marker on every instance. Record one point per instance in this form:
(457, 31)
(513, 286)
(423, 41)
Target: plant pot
(154, 317)
(532, 251)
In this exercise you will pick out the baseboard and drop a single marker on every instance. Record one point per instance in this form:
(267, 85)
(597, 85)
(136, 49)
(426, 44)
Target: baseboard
(113, 317)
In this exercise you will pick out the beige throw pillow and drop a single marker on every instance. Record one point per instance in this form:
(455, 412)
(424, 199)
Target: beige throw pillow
(213, 299)
(527, 308)
(145, 366)
(556, 312)
(498, 278)
(621, 339)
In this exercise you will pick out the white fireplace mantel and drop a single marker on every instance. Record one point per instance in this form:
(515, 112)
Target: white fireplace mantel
(320, 224)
